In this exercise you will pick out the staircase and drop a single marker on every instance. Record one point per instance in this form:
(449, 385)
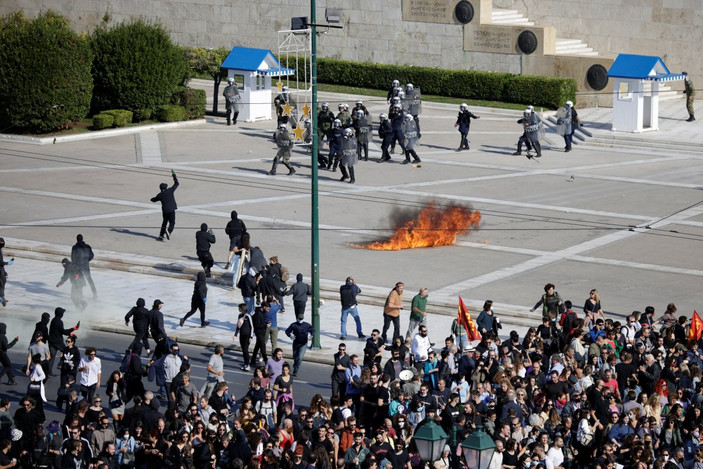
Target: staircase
(511, 17)
(573, 47)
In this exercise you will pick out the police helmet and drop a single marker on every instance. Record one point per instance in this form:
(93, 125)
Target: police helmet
(360, 113)
(341, 106)
(230, 80)
(325, 106)
(569, 104)
(359, 103)
(409, 87)
(282, 127)
(397, 106)
(346, 107)
(531, 108)
(527, 112)
(395, 100)
(285, 89)
(348, 132)
(396, 83)
(401, 94)
(383, 117)
(336, 124)
(463, 107)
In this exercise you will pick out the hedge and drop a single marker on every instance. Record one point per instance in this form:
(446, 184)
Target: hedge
(103, 121)
(192, 100)
(170, 113)
(140, 115)
(470, 84)
(122, 116)
(45, 79)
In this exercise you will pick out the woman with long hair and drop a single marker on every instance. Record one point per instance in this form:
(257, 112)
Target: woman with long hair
(116, 390)
(592, 308)
(284, 389)
(180, 453)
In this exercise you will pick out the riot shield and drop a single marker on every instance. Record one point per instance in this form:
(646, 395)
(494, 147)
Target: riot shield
(532, 125)
(283, 139)
(412, 104)
(563, 121)
(348, 151)
(409, 133)
(364, 134)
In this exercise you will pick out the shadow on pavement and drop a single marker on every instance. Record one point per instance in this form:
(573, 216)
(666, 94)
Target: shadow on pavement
(135, 233)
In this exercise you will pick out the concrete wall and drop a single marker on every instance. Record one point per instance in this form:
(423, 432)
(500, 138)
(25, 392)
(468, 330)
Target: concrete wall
(374, 30)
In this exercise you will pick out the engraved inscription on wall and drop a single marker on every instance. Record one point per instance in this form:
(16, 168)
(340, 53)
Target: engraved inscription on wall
(429, 11)
(482, 39)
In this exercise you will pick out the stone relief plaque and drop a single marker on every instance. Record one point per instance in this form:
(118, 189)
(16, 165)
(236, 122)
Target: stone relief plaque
(429, 11)
(490, 39)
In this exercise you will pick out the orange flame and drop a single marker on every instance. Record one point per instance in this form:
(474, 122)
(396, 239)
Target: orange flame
(432, 227)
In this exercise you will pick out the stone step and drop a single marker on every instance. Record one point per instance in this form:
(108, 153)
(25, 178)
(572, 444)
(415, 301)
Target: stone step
(638, 143)
(566, 46)
(500, 16)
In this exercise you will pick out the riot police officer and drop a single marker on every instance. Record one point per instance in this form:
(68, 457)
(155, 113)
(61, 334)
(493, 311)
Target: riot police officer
(232, 98)
(343, 116)
(463, 121)
(410, 137)
(385, 132)
(285, 143)
(363, 131)
(335, 142)
(359, 107)
(348, 156)
(397, 117)
(531, 124)
(393, 91)
(281, 100)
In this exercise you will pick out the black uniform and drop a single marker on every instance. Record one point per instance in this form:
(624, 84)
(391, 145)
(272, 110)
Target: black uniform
(463, 120)
(259, 322)
(385, 132)
(4, 358)
(140, 323)
(81, 255)
(168, 206)
(203, 239)
(198, 300)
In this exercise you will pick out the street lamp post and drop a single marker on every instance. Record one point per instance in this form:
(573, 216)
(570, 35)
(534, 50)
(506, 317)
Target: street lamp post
(314, 218)
(430, 440)
(478, 449)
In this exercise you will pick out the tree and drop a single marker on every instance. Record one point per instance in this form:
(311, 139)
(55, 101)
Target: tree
(136, 66)
(45, 80)
(207, 61)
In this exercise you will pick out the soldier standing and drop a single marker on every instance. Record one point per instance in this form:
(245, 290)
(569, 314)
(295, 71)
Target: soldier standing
(285, 143)
(232, 98)
(690, 93)
(168, 206)
(463, 121)
(348, 156)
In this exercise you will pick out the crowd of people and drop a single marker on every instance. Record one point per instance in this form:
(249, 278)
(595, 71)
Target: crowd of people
(580, 390)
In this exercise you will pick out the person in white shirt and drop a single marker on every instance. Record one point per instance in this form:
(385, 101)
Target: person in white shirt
(90, 369)
(215, 371)
(420, 347)
(555, 453)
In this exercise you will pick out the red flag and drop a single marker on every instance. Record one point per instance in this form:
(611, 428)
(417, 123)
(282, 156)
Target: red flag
(696, 328)
(464, 318)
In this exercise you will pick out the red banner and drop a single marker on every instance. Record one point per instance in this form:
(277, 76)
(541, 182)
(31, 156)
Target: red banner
(464, 318)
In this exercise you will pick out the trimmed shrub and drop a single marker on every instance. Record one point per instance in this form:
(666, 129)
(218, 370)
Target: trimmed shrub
(103, 121)
(470, 84)
(192, 100)
(122, 116)
(136, 66)
(170, 113)
(45, 80)
(140, 115)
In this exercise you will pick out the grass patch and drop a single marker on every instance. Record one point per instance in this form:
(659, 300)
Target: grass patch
(425, 97)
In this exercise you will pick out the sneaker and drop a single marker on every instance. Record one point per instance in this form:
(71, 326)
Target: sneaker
(342, 338)
(517, 153)
(227, 266)
(352, 181)
(405, 161)
(417, 160)
(181, 321)
(362, 336)
(205, 324)
(12, 382)
(246, 368)
(161, 238)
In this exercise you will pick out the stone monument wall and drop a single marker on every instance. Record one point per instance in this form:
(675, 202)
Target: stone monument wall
(374, 30)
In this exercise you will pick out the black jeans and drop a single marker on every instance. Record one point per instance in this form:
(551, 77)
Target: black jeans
(387, 320)
(169, 218)
(259, 347)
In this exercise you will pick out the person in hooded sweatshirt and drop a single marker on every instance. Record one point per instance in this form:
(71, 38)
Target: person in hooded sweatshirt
(56, 334)
(235, 229)
(198, 300)
(300, 291)
(203, 240)
(43, 326)
(4, 358)
(72, 273)
(81, 255)
(140, 323)
(168, 207)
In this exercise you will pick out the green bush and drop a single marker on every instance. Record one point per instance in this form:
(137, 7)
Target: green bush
(45, 80)
(140, 115)
(192, 100)
(103, 121)
(136, 66)
(122, 116)
(170, 113)
(470, 84)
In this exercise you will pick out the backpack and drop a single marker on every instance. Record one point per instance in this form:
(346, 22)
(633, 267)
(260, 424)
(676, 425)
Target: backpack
(285, 275)
(126, 362)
